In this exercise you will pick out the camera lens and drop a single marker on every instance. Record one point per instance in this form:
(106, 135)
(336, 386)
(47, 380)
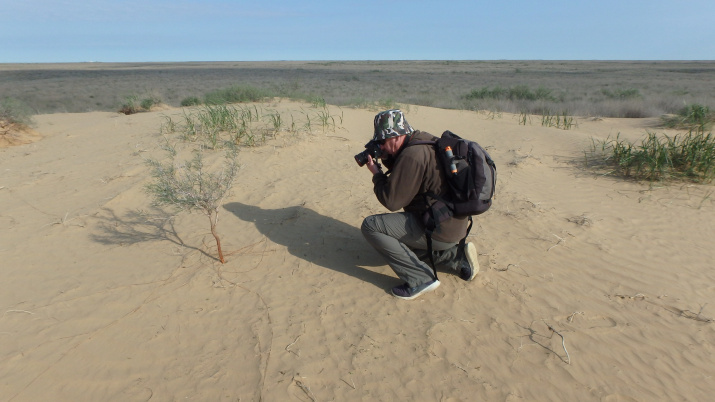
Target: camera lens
(361, 158)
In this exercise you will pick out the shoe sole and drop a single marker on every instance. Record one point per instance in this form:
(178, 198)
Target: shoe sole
(429, 288)
(471, 253)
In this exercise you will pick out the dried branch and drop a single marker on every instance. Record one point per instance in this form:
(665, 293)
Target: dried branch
(305, 389)
(563, 341)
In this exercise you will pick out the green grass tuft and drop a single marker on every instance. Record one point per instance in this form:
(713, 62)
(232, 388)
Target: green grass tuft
(691, 116)
(147, 103)
(688, 156)
(562, 121)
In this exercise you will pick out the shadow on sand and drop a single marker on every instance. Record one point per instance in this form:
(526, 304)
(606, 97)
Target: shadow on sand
(319, 239)
(138, 226)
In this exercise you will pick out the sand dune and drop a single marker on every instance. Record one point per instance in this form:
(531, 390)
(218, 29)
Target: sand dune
(104, 297)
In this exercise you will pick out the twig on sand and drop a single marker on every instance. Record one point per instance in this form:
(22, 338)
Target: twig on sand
(563, 341)
(677, 311)
(513, 265)
(17, 311)
(570, 319)
(351, 379)
(561, 240)
(293, 343)
(459, 367)
(305, 389)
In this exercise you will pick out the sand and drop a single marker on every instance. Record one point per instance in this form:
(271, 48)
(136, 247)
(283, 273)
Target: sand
(106, 298)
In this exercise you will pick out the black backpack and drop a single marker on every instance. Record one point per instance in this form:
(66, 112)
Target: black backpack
(471, 175)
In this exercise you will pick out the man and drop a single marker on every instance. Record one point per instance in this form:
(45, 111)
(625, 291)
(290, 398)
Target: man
(400, 236)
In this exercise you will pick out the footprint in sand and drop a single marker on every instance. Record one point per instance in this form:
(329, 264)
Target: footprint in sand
(584, 321)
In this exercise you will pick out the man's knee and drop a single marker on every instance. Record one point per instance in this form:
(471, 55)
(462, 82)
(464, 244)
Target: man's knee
(368, 225)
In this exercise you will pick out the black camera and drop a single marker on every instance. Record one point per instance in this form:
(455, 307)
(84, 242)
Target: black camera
(372, 148)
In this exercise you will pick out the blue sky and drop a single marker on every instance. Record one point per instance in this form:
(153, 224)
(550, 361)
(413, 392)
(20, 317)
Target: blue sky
(38, 31)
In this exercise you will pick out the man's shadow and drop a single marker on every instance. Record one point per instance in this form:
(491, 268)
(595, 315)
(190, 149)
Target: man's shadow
(319, 239)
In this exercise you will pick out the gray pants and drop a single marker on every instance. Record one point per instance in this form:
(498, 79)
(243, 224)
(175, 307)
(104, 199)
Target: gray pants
(400, 238)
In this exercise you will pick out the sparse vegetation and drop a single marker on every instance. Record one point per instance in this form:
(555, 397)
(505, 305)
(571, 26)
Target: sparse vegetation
(629, 93)
(224, 125)
(584, 88)
(518, 92)
(236, 94)
(189, 185)
(689, 156)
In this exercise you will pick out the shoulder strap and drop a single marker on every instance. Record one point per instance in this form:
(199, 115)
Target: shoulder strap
(420, 142)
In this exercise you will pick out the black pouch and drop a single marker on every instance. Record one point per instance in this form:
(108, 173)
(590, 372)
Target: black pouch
(437, 213)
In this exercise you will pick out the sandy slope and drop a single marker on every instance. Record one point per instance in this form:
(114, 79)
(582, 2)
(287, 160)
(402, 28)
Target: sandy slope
(105, 298)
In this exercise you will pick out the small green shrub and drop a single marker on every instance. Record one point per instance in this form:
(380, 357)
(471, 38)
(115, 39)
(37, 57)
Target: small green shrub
(13, 111)
(130, 105)
(147, 103)
(189, 186)
(191, 101)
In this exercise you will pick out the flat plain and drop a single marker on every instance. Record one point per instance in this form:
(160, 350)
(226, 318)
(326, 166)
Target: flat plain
(579, 88)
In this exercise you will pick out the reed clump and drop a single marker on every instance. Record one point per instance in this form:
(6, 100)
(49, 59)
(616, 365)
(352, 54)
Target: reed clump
(688, 156)
(558, 120)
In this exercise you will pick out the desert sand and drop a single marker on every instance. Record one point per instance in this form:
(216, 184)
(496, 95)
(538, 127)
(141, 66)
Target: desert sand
(591, 287)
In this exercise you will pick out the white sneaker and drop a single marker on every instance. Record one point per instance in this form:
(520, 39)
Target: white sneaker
(470, 267)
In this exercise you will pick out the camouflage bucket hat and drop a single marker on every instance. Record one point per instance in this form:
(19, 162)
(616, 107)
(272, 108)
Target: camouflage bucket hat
(391, 123)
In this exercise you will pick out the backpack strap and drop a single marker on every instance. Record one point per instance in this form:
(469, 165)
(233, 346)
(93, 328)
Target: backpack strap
(428, 234)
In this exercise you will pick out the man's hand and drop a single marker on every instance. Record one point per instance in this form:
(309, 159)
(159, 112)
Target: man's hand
(372, 166)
